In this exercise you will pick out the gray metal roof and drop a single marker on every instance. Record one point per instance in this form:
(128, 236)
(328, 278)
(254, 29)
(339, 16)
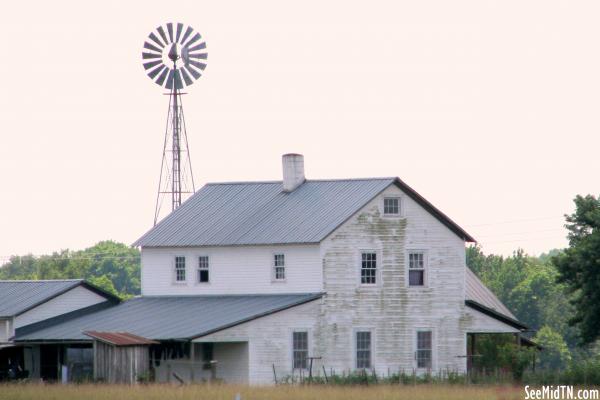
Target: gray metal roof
(17, 297)
(169, 317)
(253, 213)
(476, 291)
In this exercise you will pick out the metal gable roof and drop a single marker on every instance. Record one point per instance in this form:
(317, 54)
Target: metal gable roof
(254, 213)
(168, 317)
(17, 297)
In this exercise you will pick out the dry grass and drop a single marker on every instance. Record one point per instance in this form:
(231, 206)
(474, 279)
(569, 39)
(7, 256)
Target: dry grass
(228, 392)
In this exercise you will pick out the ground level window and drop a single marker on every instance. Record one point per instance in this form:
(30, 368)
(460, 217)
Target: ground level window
(203, 270)
(363, 349)
(180, 269)
(416, 269)
(368, 269)
(423, 353)
(279, 265)
(300, 350)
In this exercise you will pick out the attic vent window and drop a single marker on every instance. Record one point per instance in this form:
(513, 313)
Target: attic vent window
(391, 206)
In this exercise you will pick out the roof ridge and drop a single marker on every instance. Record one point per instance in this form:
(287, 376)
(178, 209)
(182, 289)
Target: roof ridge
(378, 178)
(39, 280)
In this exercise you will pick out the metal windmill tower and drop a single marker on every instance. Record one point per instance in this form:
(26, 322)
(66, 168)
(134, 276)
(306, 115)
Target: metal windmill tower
(174, 58)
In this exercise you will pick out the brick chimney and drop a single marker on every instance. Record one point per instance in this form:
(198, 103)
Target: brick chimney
(293, 171)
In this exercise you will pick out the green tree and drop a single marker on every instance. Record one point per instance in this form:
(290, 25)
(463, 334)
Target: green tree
(579, 266)
(555, 354)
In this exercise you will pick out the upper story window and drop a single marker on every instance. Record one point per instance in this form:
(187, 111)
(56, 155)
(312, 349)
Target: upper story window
(363, 349)
(179, 269)
(300, 350)
(279, 267)
(368, 268)
(391, 206)
(416, 268)
(423, 352)
(203, 270)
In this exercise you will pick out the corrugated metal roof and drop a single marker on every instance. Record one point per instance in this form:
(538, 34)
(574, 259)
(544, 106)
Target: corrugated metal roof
(170, 317)
(476, 291)
(17, 297)
(254, 213)
(119, 338)
(250, 213)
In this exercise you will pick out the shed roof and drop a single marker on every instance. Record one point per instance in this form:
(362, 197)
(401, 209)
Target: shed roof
(254, 213)
(120, 338)
(476, 291)
(167, 317)
(19, 296)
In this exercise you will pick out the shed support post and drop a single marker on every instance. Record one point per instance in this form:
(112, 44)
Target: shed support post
(192, 360)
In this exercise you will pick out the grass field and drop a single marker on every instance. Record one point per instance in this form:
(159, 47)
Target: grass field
(227, 392)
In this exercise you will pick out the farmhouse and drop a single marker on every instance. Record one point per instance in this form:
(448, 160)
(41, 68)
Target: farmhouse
(251, 282)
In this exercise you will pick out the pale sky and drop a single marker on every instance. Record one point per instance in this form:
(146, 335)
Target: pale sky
(487, 108)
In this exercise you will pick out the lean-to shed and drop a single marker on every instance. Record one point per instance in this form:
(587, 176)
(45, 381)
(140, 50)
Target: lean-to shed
(120, 357)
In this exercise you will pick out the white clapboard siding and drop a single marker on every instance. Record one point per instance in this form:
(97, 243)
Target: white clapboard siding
(233, 270)
(74, 299)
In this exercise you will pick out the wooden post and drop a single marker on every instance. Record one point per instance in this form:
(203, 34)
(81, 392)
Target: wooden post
(192, 360)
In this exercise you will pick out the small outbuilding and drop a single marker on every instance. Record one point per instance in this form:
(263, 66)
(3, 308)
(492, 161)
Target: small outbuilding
(120, 357)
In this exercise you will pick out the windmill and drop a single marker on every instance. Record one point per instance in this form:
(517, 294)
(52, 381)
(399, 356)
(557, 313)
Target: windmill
(174, 58)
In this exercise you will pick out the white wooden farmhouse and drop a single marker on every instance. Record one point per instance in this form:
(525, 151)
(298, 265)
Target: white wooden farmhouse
(247, 281)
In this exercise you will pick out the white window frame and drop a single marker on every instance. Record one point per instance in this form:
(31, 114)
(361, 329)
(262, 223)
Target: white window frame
(308, 343)
(425, 268)
(198, 269)
(378, 263)
(355, 347)
(274, 267)
(174, 269)
(433, 347)
(400, 206)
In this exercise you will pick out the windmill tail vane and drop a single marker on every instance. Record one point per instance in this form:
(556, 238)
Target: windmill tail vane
(174, 56)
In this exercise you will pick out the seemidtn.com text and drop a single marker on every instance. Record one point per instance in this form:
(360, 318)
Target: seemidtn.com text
(560, 392)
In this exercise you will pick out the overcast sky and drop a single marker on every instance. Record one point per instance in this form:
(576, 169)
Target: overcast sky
(489, 109)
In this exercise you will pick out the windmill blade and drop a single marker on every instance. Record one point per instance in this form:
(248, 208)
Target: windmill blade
(194, 39)
(186, 77)
(170, 30)
(201, 56)
(150, 55)
(192, 71)
(152, 64)
(200, 46)
(156, 40)
(177, 78)
(185, 55)
(162, 34)
(156, 71)
(151, 47)
(198, 65)
(187, 33)
(179, 29)
(169, 84)
(162, 76)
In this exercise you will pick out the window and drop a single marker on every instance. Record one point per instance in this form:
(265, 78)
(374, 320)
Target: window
(363, 349)
(279, 265)
(203, 273)
(391, 206)
(368, 269)
(423, 353)
(300, 350)
(180, 269)
(416, 269)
